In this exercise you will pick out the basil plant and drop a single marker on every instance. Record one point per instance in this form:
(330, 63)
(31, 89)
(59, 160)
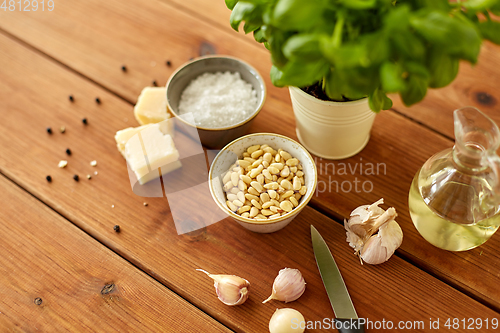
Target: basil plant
(368, 48)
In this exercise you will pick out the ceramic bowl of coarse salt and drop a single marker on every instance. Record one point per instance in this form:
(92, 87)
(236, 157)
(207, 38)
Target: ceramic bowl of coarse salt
(222, 94)
(234, 151)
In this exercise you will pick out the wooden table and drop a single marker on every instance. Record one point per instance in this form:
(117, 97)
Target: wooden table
(64, 268)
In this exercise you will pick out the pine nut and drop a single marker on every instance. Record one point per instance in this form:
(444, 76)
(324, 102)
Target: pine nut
(271, 186)
(260, 179)
(251, 197)
(286, 184)
(245, 214)
(234, 190)
(246, 179)
(238, 203)
(243, 163)
(286, 206)
(243, 209)
(303, 190)
(296, 183)
(265, 164)
(298, 196)
(249, 159)
(272, 194)
(299, 174)
(265, 197)
(232, 197)
(273, 170)
(275, 215)
(227, 177)
(256, 154)
(278, 166)
(293, 169)
(266, 212)
(286, 156)
(257, 163)
(267, 174)
(267, 204)
(254, 211)
(231, 206)
(234, 178)
(242, 186)
(251, 149)
(269, 150)
(287, 194)
(256, 171)
(260, 217)
(241, 196)
(257, 186)
(267, 157)
(256, 204)
(275, 209)
(245, 154)
(294, 201)
(285, 172)
(253, 191)
(228, 186)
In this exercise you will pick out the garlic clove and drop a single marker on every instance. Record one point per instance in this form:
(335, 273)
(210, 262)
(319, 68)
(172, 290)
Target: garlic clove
(231, 289)
(392, 236)
(288, 286)
(379, 248)
(373, 252)
(362, 218)
(287, 320)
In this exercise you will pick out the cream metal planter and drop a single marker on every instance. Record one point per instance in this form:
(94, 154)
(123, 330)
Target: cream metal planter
(332, 130)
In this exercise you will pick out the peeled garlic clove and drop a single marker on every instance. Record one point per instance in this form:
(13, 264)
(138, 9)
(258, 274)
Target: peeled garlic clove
(287, 320)
(288, 286)
(230, 289)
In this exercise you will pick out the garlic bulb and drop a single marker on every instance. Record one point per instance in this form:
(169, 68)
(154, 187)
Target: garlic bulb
(288, 286)
(230, 289)
(287, 321)
(373, 233)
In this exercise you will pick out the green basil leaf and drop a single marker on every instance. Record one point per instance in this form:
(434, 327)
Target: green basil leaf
(490, 30)
(276, 75)
(276, 46)
(231, 3)
(416, 88)
(249, 27)
(301, 73)
(408, 44)
(359, 4)
(378, 101)
(397, 19)
(241, 11)
(442, 67)
(259, 35)
(297, 14)
(453, 35)
(305, 46)
(391, 77)
(333, 86)
(478, 5)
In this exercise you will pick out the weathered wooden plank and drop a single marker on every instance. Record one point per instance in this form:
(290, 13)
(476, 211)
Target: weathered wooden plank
(90, 205)
(54, 277)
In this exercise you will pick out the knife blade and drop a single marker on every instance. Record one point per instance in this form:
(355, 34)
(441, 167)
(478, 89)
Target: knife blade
(346, 318)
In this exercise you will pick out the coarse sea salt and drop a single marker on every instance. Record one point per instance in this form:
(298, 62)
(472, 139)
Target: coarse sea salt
(218, 99)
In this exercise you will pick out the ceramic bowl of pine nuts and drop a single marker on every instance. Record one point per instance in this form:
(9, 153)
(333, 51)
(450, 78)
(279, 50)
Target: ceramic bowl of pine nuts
(263, 181)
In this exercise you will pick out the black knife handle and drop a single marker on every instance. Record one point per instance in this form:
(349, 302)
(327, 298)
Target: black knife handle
(350, 325)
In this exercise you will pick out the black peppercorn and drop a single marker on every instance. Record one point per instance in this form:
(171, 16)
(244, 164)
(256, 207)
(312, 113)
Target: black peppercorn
(68, 151)
(71, 99)
(169, 63)
(49, 130)
(97, 100)
(124, 68)
(116, 228)
(154, 83)
(84, 121)
(49, 178)
(38, 301)
(76, 178)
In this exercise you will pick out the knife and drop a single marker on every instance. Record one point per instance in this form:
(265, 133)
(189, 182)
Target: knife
(346, 318)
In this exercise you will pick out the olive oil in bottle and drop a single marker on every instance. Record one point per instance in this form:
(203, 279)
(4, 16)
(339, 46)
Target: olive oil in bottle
(454, 198)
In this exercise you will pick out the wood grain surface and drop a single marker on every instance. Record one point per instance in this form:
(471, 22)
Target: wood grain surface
(55, 278)
(95, 39)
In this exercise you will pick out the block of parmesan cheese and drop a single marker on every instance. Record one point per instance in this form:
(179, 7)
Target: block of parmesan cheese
(121, 137)
(151, 106)
(150, 150)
